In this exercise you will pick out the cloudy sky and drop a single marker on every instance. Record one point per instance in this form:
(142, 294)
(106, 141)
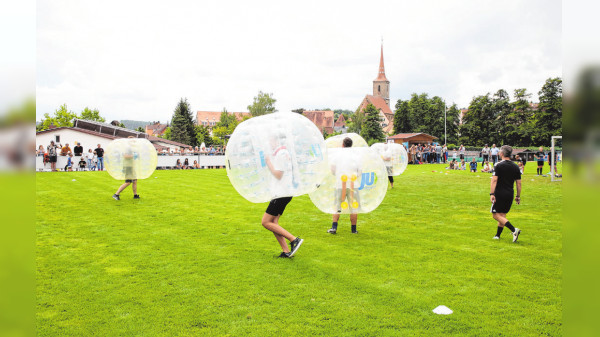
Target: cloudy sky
(136, 59)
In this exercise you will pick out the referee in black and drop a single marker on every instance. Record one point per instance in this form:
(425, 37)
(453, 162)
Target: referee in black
(501, 191)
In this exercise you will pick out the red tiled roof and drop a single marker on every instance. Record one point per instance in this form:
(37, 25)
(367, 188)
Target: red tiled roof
(157, 139)
(410, 135)
(202, 116)
(341, 121)
(379, 103)
(89, 132)
(323, 119)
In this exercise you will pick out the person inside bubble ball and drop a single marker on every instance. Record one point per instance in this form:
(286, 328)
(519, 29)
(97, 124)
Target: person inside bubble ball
(279, 164)
(387, 159)
(345, 193)
(130, 173)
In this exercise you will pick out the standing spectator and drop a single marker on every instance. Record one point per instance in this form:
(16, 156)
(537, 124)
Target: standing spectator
(52, 155)
(438, 153)
(69, 165)
(431, 154)
(100, 154)
(40, 151)
(461, 151)
(66, 150)
(485, 153)
(90, 158)
(454, 155)
(78, 149)
(445, 153)
(473, 165)
(494, 151)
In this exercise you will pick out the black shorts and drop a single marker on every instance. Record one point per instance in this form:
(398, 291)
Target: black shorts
(502, 204)
(462, 156)
(540, 164)
(52, 159)
(130, 180)
(277, 206)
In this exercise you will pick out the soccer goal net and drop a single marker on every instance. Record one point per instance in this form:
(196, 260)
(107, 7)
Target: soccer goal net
(556, 157)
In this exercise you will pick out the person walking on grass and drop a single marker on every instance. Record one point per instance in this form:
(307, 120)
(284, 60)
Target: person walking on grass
(494, 151)
(344, 193)
(100, 154)
(280, 166)
(506, 173)
(130, 174)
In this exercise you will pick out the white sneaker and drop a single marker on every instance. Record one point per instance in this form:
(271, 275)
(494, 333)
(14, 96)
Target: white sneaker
(516, 234)
(496, 238)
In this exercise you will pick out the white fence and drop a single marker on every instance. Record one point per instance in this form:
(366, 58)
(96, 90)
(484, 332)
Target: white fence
(164, 162)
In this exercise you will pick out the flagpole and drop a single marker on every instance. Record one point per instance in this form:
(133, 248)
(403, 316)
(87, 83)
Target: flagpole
(445, 136)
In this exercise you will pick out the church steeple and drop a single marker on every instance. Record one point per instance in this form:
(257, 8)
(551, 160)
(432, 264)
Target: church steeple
(381, 85)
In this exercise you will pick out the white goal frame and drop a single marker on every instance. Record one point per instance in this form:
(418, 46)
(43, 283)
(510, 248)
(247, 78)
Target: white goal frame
(553, 167)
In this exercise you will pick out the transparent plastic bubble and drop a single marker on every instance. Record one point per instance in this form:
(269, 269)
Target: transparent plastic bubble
(356, 182)
(289, 143)
(394, 156)
(130, 158)
(336, 141)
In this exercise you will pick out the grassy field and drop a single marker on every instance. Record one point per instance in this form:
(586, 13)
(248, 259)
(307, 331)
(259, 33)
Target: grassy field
(191, 259)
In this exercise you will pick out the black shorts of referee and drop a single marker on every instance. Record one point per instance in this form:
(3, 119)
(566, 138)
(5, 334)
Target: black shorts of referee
(503, 203)
(277, 206)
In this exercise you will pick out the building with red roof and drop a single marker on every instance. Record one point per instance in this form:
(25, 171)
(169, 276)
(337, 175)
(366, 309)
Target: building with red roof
(323, 119)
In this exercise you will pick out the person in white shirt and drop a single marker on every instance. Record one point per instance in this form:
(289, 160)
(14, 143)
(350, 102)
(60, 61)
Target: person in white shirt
(461, 151)
(90, 159)
(485, 153)
(279, 164)
(344, 192)
(494, 151)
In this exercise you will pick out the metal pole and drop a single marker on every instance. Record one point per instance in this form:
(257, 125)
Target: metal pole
(445, 135)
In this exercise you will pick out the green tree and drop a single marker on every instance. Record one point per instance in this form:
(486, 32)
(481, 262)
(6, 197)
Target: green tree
(548, 116)
(91, 115)
(62, 117)
(264, 103)
(182, 124)
(519, 124)
(402, 117)
(167, 133)
(356, 121)
(219, 133)
(140, 129)
(371, 130)
(452, 124)
(298, 111)
(476, 129)
(228, 121)
(501, 109)
(203, 135)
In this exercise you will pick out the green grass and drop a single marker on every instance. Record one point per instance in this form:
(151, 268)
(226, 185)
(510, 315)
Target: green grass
(192, 259)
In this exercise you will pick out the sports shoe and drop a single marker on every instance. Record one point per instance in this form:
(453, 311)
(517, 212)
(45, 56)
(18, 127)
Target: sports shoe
(284, 255)
(136, 196)
(496, 237)
(116, 197)
(516, 234)
(355, 232)
(295, 245)
(331, 231)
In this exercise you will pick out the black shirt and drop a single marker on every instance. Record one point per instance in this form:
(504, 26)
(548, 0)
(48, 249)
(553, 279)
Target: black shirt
(78, 150)
(507, 172)
(540, 155)
(100, 152)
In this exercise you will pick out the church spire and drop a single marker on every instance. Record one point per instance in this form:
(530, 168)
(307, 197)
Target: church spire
(381, 74)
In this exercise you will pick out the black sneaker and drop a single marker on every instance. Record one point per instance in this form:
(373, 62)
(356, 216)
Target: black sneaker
(116, 197)
(136, 196)
(284, 255)
(295, 245)
(331, 231)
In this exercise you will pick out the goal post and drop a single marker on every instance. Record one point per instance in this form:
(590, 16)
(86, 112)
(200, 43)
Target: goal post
(553, 159)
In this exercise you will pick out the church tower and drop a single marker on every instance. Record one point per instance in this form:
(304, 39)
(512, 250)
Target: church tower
(381, 85)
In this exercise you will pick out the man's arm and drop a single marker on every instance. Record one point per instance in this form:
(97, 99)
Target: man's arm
(518, 197)
(493, 188)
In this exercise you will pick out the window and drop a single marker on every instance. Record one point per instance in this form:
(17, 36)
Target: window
(57, 140)
(379, 88)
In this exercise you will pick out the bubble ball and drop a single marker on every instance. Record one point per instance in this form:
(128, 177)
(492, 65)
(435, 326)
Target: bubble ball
(356, 182)
(130, 158)
(288, 143)
(394, 156)
(336, 141)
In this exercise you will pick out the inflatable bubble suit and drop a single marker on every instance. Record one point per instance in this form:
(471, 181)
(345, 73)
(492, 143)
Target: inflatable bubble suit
(356, 182)
(336, 141)
(130, 158)
(394, 156)
(288, 143)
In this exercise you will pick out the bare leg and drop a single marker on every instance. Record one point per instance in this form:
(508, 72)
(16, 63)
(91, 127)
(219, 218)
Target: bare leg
(268, 221)
(281, 238)
(501, 218)
(134, 187)
(122, 187)
(353, 219)
(335, 218)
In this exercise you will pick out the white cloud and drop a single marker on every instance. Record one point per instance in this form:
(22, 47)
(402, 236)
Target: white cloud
(134, 60)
